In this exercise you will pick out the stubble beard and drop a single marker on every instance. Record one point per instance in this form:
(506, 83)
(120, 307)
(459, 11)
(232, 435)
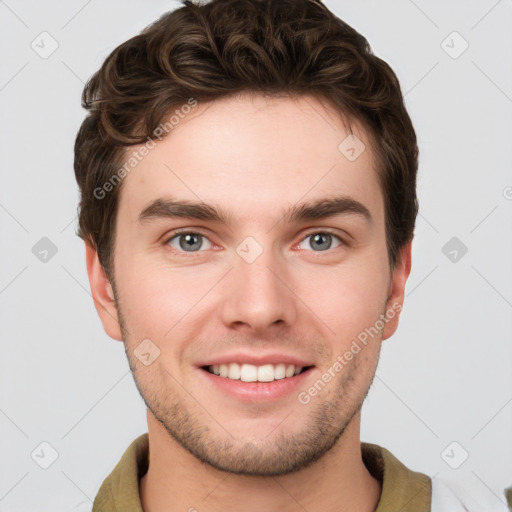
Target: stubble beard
(279, 452)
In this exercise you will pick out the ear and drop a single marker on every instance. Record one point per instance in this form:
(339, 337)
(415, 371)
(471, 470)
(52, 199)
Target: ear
(396, 290)
(102, 294)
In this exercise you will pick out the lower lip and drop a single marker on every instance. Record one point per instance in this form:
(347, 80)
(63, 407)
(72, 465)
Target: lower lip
(257, 391)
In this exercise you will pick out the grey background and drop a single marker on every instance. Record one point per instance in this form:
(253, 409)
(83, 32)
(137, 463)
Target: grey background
(444, 377)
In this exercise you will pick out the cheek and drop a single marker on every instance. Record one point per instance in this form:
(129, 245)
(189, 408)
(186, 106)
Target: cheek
(346, 299)
(156, 299)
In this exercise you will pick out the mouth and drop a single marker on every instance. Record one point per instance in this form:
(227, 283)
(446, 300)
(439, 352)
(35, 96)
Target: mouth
(242, 381)
(253, 374)
(249, 377)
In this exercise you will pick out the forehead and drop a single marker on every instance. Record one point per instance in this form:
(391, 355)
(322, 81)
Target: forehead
(255, 155)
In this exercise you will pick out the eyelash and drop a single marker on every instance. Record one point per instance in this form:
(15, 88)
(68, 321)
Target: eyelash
(185, 231)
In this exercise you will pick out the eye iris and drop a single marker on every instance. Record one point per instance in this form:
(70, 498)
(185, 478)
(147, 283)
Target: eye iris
(190, 241)
(319, 238)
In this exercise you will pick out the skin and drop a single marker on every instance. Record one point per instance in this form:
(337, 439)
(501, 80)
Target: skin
(254, 156)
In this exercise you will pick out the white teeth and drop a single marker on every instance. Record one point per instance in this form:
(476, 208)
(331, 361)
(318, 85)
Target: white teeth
(252, 373)
(249, 373)
(234, 371)
(266, 373)
(279, 371)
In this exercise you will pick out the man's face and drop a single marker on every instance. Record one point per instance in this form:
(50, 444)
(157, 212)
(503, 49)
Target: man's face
(256, 288)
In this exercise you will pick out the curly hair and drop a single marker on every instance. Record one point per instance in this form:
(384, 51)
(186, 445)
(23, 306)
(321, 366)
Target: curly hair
(207, 51)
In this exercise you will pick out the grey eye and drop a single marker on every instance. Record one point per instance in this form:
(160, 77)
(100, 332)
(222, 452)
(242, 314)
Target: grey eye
(321, 241)
(188, 242)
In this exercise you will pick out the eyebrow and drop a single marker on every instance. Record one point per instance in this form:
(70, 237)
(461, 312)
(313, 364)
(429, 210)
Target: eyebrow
(170, 208)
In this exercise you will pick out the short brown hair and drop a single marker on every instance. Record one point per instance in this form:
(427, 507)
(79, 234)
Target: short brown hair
(217, 49)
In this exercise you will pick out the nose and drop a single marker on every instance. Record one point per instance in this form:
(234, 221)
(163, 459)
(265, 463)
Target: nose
(258, 295)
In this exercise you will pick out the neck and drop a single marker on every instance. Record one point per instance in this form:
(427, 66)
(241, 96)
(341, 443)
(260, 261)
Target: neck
(176, 480)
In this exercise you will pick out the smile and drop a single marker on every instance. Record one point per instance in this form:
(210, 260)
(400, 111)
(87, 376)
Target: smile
(253, 373)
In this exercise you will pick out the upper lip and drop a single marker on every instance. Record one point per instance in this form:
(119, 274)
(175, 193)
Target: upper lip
(256, 359)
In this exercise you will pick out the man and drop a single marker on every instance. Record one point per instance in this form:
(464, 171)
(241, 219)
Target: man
(247, 174)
